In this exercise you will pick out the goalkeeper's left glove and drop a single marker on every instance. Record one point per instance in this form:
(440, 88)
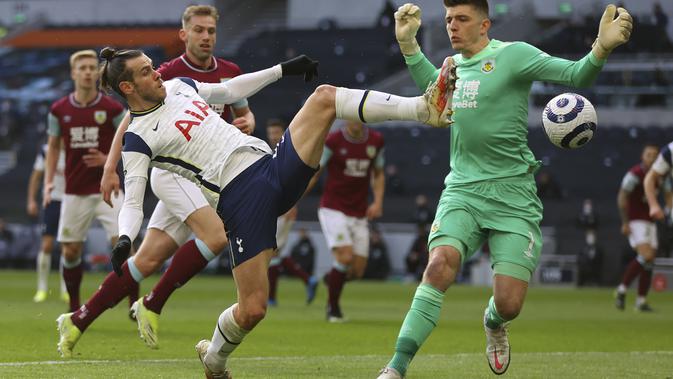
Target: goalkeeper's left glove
(612, 31)
(119, 253)
(301, 65)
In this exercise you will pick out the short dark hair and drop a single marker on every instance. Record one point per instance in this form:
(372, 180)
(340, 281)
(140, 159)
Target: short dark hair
(480, 5)
(113, 69)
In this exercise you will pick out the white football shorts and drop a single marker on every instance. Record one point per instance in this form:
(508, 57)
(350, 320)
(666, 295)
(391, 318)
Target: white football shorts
(178, 198)
(77, 212)
(643, 232)
(342, 230)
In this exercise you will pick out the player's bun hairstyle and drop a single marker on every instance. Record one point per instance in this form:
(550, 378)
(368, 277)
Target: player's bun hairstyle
(480, 5)
(113, 69)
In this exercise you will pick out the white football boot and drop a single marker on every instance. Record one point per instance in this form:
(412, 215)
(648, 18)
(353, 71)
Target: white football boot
(497, 347)
(202, 350)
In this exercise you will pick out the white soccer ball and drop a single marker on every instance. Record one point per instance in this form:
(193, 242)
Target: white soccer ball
(569, 120)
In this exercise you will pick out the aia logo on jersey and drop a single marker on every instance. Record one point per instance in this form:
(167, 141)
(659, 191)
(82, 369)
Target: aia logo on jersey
(186, 125)
(100, 117)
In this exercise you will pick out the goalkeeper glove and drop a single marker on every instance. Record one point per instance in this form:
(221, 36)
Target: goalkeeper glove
(612, 31)
(407, 23)
(119, 253)
(301, 65)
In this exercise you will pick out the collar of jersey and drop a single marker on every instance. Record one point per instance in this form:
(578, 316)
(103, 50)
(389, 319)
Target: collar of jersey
(493, 44)
(364, 138)
(196, 67)
(147, 111)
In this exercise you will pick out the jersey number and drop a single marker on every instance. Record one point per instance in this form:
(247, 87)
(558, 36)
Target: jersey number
(184, 126)
(356, 167)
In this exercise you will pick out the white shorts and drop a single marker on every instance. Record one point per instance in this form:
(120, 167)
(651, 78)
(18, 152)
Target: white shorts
(178, 198)
(643, 232)
(77, 212)
(342, 230)
(283, 227)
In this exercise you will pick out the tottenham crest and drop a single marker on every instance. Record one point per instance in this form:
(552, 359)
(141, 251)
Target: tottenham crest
(371, 151)
(487, 66)
(100, 117)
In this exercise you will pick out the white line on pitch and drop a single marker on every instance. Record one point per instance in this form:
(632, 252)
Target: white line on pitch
(322, 357)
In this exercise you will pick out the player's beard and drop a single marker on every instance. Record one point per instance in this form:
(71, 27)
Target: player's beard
(155, 96)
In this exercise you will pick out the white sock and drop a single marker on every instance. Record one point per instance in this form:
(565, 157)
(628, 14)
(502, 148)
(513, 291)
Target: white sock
(373, 106)
(226, 337)
(640, 300)
(73, 264)
(43, 264)
(275, 261)
(621, 288)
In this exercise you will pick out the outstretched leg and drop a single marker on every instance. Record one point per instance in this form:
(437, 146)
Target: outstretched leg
(311, 124)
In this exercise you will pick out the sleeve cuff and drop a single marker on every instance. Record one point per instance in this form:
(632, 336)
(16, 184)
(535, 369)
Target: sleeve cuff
(413, 59)
(595, 61)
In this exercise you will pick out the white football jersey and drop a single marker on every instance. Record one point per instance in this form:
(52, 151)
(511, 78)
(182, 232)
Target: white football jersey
(662, 165)
(184, 135)
(59, 178)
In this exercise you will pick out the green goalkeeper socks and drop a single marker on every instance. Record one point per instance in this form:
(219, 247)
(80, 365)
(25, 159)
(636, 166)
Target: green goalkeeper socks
(420, 320)
(493, 319)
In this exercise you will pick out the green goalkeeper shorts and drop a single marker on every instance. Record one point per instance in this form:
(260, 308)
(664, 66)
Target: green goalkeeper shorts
(504, 212)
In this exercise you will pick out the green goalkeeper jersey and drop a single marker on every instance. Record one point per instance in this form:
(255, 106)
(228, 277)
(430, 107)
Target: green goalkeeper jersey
(489, 135)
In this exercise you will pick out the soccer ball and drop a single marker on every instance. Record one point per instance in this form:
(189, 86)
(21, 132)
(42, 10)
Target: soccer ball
(569, 120)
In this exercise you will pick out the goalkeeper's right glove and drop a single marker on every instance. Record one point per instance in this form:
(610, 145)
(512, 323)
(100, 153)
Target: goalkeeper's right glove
(407, 23)
(612, 31)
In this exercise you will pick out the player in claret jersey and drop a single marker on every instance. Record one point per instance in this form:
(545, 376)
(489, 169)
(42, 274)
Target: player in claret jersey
(638, 226)
(84, 123)
(354, 158)
(490, 192)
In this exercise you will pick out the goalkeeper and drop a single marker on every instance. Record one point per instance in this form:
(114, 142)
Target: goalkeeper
(490, 192)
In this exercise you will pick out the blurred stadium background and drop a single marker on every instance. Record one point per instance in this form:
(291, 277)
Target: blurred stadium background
(354, 41)
(355, 44)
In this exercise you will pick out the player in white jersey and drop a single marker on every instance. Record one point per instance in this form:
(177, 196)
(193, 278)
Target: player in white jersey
(50, 216)
(168, 227)
(173, 128)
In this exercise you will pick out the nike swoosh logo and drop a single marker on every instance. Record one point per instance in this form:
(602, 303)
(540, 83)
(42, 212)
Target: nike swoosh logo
(156, 127)
(498, 365)
(388, 97)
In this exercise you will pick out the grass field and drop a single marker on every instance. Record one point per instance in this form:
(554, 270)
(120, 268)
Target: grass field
(562, 333)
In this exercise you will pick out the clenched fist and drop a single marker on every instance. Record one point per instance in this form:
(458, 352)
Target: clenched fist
(407, 23)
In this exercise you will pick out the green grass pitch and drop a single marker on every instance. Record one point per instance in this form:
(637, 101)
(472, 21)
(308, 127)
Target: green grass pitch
(561, 333)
